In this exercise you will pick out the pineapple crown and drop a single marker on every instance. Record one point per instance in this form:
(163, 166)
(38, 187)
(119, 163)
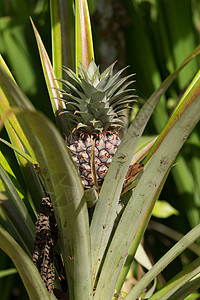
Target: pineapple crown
(95, 102)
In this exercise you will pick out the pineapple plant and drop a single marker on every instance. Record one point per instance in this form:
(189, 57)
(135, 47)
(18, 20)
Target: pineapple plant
(96, 254)
(95, 107)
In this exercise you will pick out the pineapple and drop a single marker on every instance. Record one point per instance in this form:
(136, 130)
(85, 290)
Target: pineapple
(94, 110)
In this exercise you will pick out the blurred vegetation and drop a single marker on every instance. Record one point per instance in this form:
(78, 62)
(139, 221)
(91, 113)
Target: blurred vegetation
(153, 37)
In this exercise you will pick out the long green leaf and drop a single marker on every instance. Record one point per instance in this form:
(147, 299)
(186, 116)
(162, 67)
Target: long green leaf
(56, 38)
(4, 273)
(139, 235)
(63, 35)
(23, 154)
(27, 270)
(49, 75)
(189, 272)
(67, 20)
(188, 289)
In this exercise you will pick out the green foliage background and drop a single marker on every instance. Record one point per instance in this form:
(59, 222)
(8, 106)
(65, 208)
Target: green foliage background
(156, 37)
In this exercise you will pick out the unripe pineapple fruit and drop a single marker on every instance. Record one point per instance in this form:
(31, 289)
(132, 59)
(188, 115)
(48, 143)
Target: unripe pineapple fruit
(95, 104)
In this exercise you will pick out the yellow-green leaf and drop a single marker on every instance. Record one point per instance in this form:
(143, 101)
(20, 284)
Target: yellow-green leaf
(163, 209)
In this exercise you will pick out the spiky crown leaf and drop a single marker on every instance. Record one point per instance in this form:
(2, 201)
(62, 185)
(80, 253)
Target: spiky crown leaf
(96, 102)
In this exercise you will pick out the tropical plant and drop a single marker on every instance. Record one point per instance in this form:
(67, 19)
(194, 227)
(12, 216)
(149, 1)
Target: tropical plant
(99, 229)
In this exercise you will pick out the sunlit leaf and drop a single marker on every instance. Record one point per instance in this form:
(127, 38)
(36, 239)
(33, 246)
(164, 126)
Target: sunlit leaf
(163, 209)
(84, 44)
